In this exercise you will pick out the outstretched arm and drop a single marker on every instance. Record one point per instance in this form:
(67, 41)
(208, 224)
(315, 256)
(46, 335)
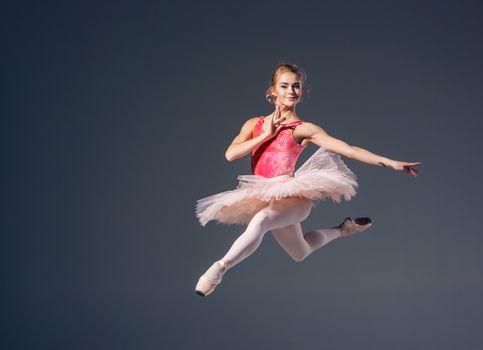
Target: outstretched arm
(321, 138)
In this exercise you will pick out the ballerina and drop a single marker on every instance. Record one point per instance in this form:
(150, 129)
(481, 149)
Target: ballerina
(275, 197)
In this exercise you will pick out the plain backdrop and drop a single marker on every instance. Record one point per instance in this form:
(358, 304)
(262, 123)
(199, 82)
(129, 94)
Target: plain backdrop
(115, 119)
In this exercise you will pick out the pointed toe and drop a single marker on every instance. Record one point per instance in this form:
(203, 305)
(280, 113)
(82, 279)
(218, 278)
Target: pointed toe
(350, 226)
(205, 285)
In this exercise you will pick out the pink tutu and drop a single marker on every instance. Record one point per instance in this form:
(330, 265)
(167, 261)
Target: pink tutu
(323, 175)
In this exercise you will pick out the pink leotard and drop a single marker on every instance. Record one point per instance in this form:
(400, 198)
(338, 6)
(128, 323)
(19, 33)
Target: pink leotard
(278, 155)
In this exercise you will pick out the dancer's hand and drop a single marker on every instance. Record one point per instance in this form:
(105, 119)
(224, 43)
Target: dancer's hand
(274, 124)
(408, 168)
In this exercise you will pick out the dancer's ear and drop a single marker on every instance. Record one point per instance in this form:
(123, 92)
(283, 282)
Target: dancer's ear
(272, 92)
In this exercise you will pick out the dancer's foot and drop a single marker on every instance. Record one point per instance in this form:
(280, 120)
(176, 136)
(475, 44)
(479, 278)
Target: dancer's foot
(211, 278)
(350, 226)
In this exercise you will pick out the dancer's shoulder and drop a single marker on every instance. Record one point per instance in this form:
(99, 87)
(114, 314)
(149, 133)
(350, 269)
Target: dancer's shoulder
(247, 128)
(251, 122)
(308, 128)
(311, 124)
(255, 120)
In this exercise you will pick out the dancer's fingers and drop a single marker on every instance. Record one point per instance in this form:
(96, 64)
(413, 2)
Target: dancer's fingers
(411, 171)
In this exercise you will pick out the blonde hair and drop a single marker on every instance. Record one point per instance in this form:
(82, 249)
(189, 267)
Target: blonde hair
(279, 69)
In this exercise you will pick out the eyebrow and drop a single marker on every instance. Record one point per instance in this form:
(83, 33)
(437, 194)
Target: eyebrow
(284, 82)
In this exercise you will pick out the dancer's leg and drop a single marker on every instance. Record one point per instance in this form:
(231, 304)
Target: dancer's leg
(277, 214)
(298, 245)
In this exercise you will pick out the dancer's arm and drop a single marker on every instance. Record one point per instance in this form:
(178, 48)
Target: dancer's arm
(318, 136)
(244, 143)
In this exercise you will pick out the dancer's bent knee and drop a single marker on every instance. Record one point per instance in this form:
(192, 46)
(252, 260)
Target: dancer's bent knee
(298, 257)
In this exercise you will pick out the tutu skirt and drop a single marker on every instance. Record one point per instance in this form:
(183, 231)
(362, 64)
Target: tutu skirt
(323, 175)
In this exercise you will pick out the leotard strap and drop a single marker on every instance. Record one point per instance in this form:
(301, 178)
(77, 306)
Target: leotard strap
(287, 125)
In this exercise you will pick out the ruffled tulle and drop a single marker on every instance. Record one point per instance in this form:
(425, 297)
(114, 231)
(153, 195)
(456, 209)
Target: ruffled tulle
(323, 175)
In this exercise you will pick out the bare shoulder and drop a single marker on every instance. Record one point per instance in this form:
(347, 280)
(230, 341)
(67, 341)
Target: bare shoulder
(246, 130)
(251, 122)
(305, 132)
(307, 129)
(248, 125)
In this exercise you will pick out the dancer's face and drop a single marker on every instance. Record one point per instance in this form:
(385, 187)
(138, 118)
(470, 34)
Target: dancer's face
(288, 89)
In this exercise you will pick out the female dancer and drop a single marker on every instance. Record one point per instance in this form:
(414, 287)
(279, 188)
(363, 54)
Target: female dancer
(275, 198)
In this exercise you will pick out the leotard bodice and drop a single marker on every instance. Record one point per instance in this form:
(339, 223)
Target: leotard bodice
(278, 155)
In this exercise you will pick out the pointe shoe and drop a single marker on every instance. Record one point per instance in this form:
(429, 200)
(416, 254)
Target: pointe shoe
(350, 226)
(205, 285)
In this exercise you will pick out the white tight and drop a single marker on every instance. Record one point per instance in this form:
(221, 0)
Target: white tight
(283, 218)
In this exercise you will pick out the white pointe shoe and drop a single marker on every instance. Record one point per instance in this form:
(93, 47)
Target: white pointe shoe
(206, 285)
(350, 226)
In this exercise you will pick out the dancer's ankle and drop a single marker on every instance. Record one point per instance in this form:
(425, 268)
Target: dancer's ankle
(225, 264)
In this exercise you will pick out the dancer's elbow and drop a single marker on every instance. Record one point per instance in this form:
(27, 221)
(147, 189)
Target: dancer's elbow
(229, 156)
(351, 152)
(232, 154)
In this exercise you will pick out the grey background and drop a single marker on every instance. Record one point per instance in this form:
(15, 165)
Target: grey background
(116, 116)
